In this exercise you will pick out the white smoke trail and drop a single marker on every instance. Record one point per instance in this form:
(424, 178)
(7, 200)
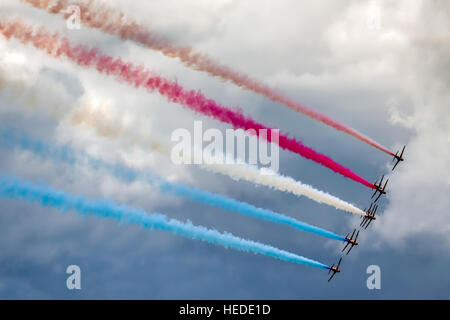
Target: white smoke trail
(262, 176)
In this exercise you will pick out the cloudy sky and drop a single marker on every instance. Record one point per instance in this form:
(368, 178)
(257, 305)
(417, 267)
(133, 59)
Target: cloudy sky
(382, 67)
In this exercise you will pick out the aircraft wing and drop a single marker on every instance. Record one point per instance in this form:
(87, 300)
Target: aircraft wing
(334, 272)
(398, 161)
(363, 221)
(378, 197)
(376, 190)
(368, 224)
(345, 246)
(350, 249)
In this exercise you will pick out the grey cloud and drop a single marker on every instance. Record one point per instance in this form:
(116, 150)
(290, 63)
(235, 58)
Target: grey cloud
(390, 83)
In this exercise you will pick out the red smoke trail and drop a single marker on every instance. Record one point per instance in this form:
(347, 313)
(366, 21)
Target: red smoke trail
(139, 77)
(114, 22)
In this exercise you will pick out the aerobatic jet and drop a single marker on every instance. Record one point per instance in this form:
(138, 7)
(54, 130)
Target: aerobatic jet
(369, 217)
(398, 157)
(334, 269)
(379, 189)
(350, 241)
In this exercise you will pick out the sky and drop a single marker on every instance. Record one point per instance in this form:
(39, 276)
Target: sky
(381, 67)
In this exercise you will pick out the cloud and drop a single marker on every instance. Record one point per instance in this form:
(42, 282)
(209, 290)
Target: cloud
(389, 80)
(419, 199)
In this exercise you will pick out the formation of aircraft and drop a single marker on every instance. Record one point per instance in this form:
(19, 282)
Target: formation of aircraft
(369, 214)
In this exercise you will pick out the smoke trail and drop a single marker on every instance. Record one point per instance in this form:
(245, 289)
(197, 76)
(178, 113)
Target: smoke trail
(102, 121)
(11, 138)
(235, 169)
(244, 171)
(114, 22)
(16, 189)
(139, 77)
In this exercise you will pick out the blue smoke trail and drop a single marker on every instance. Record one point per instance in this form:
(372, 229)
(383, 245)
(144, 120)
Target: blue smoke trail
(11, 138)
(15, 189)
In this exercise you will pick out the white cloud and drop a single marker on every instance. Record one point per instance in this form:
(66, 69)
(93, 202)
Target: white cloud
(389, 80)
